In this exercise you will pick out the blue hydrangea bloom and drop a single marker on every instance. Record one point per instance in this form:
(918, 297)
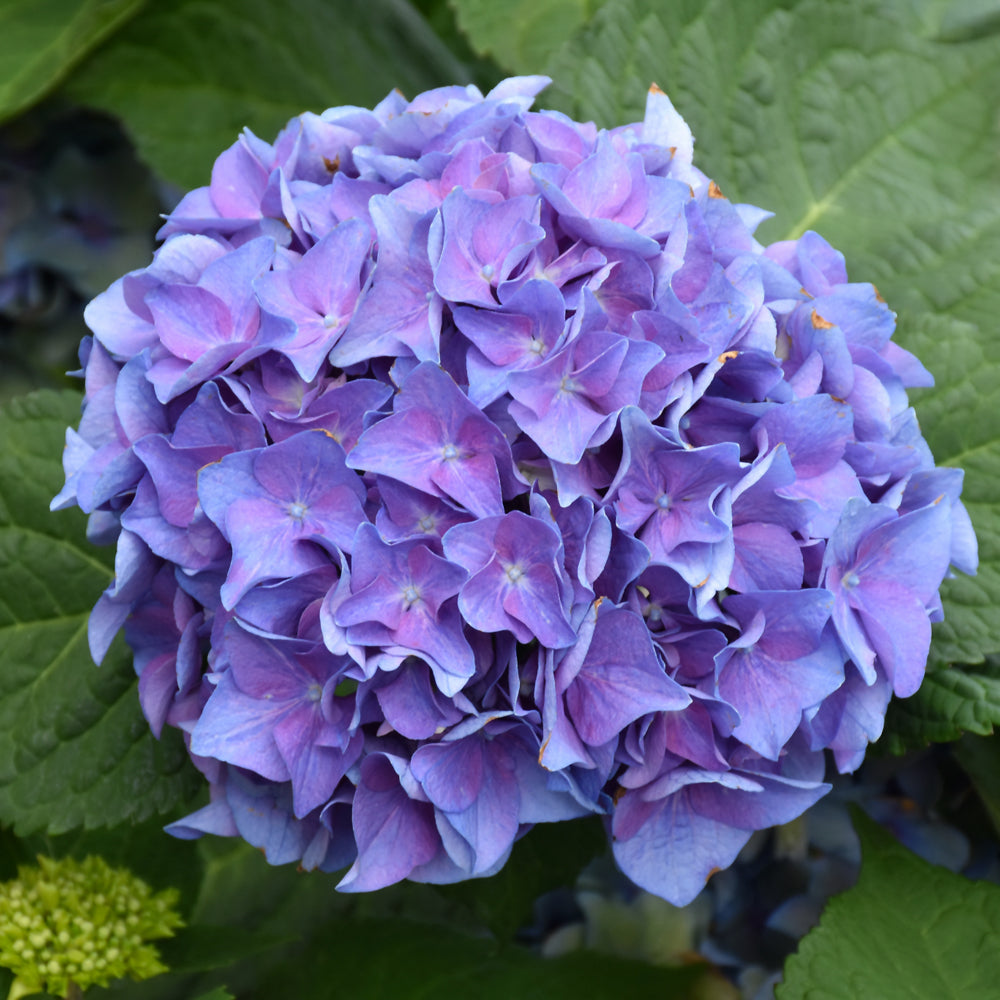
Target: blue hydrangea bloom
(472, 468)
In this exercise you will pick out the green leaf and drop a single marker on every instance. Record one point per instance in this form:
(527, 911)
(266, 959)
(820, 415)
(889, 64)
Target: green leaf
(949, 703)
(421, 961)
(907, 929)
(74, 747)
(520, 34)
(41, 40)
(219, 993)
(201, 947)
(856, 120)
(965, 19)
(187, 75)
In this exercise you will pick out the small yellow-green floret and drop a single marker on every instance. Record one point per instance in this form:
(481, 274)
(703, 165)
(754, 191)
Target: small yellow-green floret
(81, 922)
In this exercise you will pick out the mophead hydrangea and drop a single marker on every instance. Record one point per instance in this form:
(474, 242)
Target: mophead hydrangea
(471, 467)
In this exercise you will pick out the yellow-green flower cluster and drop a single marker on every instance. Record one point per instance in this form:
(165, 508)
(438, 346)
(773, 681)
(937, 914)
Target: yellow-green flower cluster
(70, 923)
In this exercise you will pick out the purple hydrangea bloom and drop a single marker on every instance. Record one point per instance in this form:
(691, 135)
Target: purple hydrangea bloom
(471, 468)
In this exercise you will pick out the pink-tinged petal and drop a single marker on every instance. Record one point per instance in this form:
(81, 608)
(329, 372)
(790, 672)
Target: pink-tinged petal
(779, 800)
(314, 770)
(484, 240)
(621, 679)
(394, 832)
(767, 558)
(240, 730)
(673, 850)
(851, 718)
(481, 604)
(190, 320)
(899, 628)
(216, 818)
(412, 705)
(451, 773)
(489, 822)
(914, 549)
(530, 601)
(814, 430)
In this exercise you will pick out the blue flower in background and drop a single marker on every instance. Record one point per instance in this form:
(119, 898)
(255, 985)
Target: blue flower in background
(473, 468)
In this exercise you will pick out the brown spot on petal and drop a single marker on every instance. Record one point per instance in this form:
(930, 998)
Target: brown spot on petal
(654, 88)
(714, 191)
(617, 794)
(728, 356)
(819, 323)
(878, 295)
(714, 871)
(332, 166)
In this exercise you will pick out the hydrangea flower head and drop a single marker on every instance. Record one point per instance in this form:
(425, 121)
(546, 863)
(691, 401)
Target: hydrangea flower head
(471, 467)
(82, 923)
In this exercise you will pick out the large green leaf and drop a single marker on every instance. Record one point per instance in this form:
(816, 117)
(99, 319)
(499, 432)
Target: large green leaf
(519, 35)
(187, 75)
(41, 40)
(907, 929)
(949, 703)
(876, 126)
(74, 747)
(420, 961)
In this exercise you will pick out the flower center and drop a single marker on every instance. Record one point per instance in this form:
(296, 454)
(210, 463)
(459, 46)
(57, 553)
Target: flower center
(663, 501)
(427, 524)
(449, 452)
(514, 572)
(410, 595)
(297, 511)
(329, 321)
(850, 580)
(488, 271)
(314, 692)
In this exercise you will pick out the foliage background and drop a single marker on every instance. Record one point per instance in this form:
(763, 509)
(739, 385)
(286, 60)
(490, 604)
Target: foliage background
(874, 123)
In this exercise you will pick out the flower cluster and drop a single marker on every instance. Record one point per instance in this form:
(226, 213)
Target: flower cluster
(471, 468)
(82, 923)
